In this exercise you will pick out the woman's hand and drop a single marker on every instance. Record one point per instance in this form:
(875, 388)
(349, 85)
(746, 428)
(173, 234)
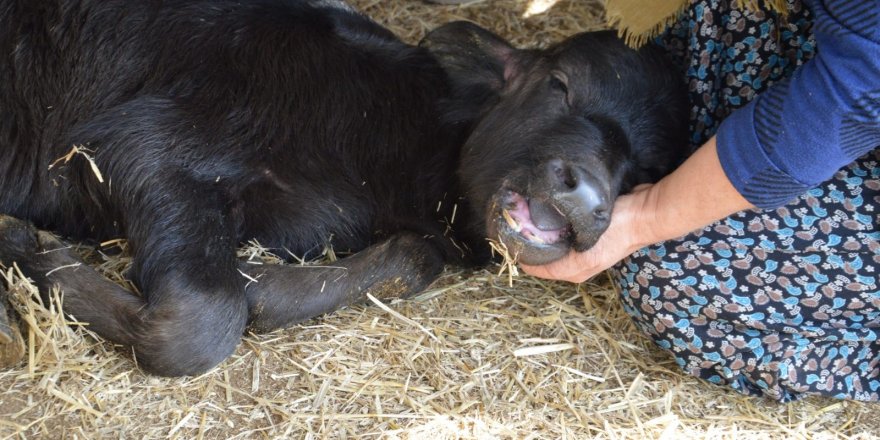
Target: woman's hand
(626, 233)
(695, 195)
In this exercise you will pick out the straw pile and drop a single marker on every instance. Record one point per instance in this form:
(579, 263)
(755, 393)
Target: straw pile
(470, 358)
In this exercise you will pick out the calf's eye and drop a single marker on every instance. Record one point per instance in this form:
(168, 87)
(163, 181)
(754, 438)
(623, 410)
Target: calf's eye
(559, 82)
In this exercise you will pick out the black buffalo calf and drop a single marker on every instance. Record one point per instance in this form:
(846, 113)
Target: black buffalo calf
(190, 126)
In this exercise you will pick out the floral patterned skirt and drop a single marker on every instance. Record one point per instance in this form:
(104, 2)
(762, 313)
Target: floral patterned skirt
(781, 303)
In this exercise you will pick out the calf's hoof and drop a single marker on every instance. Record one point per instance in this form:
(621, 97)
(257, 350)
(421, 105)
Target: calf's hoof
(34, 251)
(12, 346)
(18, 241)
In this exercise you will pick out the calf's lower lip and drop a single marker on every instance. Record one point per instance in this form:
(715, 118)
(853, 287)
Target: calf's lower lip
(510, 222)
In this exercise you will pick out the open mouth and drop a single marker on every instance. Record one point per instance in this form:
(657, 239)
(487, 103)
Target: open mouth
(534, 231)
(517, 214)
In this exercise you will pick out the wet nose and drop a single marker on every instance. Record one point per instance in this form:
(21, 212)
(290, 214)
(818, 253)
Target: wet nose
(581, 191)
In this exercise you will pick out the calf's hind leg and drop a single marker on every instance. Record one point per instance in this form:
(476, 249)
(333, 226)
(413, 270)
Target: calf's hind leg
(193, 310)
(282, 295)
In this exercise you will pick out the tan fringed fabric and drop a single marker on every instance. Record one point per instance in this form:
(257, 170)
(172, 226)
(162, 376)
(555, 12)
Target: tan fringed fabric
(637, 21)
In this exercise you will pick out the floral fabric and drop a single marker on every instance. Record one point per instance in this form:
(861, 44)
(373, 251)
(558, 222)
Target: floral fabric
(780, 303)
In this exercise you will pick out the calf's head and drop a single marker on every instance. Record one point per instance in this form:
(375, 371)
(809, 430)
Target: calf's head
(557, 134)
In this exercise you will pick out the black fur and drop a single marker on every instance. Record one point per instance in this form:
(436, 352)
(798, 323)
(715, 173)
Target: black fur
(213, 122)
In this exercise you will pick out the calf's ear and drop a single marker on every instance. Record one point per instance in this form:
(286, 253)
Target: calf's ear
(472, 57)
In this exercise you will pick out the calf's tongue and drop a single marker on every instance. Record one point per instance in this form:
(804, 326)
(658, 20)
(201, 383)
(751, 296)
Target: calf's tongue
(545, 217)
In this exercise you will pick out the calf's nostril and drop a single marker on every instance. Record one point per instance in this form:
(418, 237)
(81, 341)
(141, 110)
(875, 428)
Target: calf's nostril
(601, 213)
(570, 180)
(562, 174)
(587, 199)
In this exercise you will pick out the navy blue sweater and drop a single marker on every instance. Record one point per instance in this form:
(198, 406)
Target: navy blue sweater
(799, 132)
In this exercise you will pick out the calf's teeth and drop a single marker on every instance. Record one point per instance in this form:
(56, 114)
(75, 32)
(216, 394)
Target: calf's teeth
(510, 221)
(529, 235)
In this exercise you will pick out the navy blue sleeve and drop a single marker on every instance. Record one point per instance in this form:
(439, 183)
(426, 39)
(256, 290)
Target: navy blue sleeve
(800, 131)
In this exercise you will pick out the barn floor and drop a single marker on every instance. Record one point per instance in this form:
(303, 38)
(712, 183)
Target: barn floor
(474, 357)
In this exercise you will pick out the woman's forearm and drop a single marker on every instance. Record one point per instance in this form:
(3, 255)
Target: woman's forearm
(693, 196)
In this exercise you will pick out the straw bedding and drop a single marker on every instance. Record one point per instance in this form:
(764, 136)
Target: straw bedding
(473, 357)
